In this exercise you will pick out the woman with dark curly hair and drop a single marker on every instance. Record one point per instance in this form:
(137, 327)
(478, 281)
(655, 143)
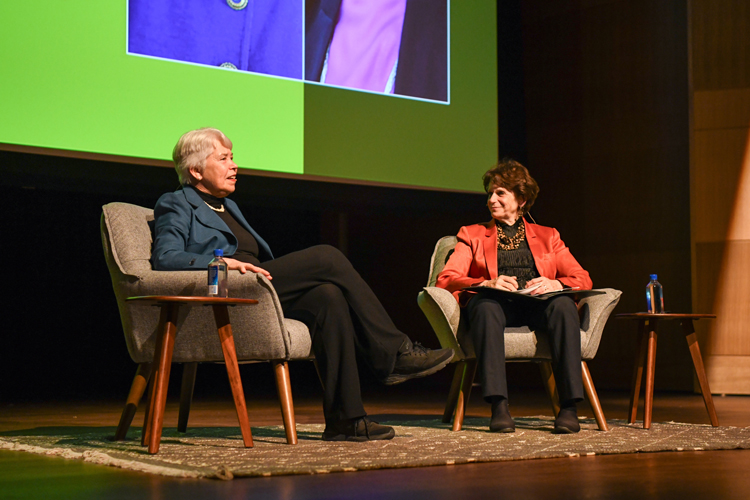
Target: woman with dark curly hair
(511, 254)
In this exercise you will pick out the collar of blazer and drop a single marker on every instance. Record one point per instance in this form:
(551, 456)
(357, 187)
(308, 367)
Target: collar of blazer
(207, 216)
(490, 247)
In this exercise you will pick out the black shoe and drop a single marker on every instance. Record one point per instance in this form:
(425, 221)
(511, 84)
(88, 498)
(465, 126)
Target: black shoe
(501, 420)
(567, 421)
(418, 361)
(358, 429)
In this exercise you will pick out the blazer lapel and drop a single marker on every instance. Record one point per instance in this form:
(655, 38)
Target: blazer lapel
(490, 249)
(204, 214)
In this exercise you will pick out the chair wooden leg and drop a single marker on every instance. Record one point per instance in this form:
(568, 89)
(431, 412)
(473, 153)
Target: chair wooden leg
(545, 367)
(695, 352)
(160, 379)
(137, 388)
(593, 397)
(463, 397)
(450, 404)
(189, 371)
(635, 384)
(281, 368)
(233, 371)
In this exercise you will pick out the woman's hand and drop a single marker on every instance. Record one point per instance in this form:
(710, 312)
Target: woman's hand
(502, 282)
(548, 285)
(243, 267)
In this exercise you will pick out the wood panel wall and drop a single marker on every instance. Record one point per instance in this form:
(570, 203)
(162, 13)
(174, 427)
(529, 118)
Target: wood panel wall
(720, 187)
(606, 100)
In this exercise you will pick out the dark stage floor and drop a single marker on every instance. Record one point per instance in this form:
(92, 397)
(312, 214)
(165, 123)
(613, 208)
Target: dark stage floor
(693, 475)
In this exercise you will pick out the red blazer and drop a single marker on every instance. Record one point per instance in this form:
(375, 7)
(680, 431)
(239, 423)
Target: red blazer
(475, 258)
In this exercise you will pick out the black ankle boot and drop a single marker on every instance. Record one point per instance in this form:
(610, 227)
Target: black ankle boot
(567, 420)
(501, 420)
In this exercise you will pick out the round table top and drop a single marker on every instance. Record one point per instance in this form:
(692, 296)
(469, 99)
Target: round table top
(161, 299)
(667, 315)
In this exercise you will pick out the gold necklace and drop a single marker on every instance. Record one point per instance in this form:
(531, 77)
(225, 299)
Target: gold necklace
(214, 208)
(505, 243)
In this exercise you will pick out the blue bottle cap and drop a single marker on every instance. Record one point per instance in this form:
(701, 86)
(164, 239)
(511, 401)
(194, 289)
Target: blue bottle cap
(220, 253)
(653, 277)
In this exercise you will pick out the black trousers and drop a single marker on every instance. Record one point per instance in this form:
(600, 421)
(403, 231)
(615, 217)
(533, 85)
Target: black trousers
(556, 317)
(319, 287)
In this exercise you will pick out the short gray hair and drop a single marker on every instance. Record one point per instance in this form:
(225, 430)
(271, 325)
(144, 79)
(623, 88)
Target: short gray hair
(193, 148)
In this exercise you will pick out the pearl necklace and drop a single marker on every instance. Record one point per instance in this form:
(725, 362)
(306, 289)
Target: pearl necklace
(214, 208)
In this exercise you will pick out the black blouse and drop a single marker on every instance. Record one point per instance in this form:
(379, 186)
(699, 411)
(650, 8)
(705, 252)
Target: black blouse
(518, 262)
(247, 246)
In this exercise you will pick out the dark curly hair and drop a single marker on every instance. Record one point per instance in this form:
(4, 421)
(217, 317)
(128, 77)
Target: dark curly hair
(514, 177)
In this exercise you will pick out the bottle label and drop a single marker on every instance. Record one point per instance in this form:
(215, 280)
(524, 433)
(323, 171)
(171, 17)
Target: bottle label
(213, 280)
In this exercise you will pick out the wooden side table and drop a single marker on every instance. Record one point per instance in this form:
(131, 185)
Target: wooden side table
(167, 331)
(647, 324)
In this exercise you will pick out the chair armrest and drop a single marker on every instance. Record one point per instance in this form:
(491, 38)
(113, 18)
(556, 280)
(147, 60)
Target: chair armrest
(259, 323)
(194, 283)
(599, 307)
(443, 313)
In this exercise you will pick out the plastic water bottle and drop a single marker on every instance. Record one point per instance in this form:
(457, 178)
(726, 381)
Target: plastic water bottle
(217, 275)
(654, 296)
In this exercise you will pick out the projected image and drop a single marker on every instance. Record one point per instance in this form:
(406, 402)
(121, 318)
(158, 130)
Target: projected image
(389, 46)
(262, 36)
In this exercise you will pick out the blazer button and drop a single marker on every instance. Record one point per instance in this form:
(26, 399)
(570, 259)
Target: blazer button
(227, 65)
(238, 5)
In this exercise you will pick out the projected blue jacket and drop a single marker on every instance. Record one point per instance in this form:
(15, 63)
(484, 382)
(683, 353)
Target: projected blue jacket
(187, 232)
(263, 36)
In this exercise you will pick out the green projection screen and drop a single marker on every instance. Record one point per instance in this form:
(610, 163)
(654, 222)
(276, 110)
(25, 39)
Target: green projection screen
(70, 84)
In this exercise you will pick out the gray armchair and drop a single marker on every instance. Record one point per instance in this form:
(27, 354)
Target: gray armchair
(261, 333)
(521, 344)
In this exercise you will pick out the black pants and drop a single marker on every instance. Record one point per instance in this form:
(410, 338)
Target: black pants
(556, 317)
(319, 287)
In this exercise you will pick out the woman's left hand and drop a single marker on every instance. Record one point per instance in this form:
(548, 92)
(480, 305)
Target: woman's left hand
(548, 285)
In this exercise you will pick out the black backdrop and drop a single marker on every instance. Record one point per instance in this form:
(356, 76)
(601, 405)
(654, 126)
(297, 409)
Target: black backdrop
(582, 116)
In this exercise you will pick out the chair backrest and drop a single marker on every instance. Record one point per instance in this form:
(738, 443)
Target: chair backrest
(126, 238)
(443, 250)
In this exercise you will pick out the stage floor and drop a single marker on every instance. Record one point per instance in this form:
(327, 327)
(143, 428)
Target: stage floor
(694, 475)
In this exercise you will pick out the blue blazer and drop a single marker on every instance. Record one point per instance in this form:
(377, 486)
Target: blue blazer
(186, 232)
(265, 36)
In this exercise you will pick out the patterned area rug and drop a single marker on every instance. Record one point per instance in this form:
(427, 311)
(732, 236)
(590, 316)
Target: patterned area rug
(218, 452)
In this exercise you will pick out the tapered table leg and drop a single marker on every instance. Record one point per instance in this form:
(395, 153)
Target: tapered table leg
(640, 357)
(233, 370)
(648, 403)
(146, 434)
(695, 352)
(162, 364)
(189, 371)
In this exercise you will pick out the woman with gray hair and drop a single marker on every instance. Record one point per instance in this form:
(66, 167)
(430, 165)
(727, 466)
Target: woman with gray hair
(317, 285)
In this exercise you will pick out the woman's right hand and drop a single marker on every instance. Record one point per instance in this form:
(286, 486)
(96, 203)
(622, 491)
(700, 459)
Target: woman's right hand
(243, 267)
(502, 282)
